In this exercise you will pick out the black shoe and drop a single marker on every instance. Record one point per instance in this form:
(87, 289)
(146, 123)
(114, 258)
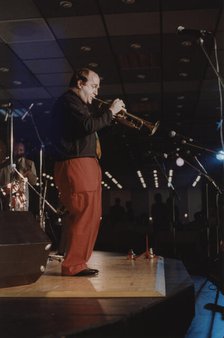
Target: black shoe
(87, 272)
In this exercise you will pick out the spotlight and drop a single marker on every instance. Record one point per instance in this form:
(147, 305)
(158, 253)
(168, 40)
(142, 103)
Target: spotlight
(220, 155)
(179, 162)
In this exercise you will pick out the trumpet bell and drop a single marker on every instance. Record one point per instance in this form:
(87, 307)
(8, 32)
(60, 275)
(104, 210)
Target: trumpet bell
(133, 121)
(154, 128)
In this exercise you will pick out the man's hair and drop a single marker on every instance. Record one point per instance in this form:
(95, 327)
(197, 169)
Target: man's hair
(80, 74)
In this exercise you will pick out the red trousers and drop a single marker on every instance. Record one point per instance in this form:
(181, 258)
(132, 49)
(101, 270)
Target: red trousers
(79, 184)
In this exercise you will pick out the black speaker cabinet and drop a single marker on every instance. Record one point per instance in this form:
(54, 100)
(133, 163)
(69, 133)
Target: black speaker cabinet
(24, 248)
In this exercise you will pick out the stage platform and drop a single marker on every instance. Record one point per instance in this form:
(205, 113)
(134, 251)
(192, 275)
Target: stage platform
(128, 298)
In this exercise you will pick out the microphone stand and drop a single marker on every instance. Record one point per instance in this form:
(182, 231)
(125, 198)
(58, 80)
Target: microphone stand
(42, 199)
(9, 115)
(172, 229)
(218, 193)
(204, 173)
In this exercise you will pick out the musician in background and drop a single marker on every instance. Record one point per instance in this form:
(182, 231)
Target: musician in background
(77, 172)
(14, 185)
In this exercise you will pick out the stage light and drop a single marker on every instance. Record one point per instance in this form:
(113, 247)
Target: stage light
(196, 181)
(179, 162)
(220, 155)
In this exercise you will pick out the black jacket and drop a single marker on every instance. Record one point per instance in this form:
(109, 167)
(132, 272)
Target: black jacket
(73, 129)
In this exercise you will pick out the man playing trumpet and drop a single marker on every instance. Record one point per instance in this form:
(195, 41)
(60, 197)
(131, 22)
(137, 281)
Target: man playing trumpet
(77, 172)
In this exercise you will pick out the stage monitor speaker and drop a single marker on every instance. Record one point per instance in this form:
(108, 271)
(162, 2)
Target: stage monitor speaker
(24, 248)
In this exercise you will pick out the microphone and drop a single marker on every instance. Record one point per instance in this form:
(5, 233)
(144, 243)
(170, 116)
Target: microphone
(27, 112)
(173, 133)
(192, 32)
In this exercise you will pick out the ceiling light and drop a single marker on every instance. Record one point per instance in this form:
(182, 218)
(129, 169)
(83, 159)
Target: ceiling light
(4, 69)
(114, 180)
(141, 76)
(65, 4)
(86, 48)
(181, 97)
(144, 99)
(183, 74)
(93, 64)
(128, 2)
(184, 60)
(186, 43)
(171, 172)
(139, 173)
(136, 45)
(108, 174)
(39, 104)
(179, 106)
(16, 82)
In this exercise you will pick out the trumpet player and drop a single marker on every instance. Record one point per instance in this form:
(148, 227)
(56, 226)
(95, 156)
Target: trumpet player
(76, 171)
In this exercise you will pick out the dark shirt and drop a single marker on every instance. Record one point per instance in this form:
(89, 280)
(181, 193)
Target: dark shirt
(73, 132)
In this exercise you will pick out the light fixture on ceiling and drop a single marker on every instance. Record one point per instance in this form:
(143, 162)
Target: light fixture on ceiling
(65, 4)
(182, 74)
(85, 48)
(141, 76)
(156, 180)
(4, 69)
(181, 97)
(196, 181)
(186, 43)
(136, 45)
(179, 106)
(141, 178)
(184, 60)
(170, 178)
(39, 104)
(144, 99)
(107, 186)
(17, 82)
(113, 180)
(93, 64)
(128, 2)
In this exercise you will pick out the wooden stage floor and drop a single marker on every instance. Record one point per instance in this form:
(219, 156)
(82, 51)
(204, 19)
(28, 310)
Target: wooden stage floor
(134, 298)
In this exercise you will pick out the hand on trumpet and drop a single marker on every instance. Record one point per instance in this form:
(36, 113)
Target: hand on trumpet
(116, 106)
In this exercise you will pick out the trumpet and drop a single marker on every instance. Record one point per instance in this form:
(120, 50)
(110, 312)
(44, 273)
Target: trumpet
(133, 121)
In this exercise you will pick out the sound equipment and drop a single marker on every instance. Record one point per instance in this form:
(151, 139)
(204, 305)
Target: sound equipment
(24, 248)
